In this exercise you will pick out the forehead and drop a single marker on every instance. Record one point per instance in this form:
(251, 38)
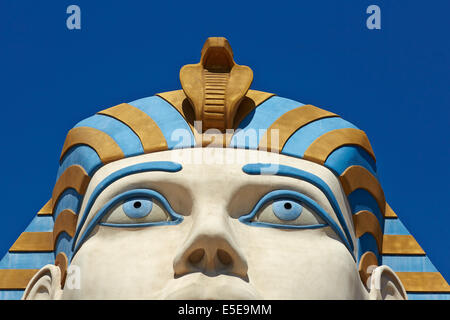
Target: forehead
(218, 160)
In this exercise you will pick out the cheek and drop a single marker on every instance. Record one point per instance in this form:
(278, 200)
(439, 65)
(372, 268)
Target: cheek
(125, 263)
(306, 264)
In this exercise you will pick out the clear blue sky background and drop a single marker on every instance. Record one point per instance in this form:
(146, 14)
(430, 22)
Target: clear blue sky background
(393, 83)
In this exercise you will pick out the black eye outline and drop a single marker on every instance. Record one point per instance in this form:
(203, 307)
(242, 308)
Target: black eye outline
(298, 197)
(150, 194)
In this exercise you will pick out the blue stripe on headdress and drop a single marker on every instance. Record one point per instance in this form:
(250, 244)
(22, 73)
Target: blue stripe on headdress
(260, 119)
(64, 244)
(167, 118)
(305, 136)
(395, 226)
(125, 138)
(346, 156)
(69, 199)
(82, 155)
(409, 263)
(40, 224)
(366, 243)
(26, 260)
(360, 200)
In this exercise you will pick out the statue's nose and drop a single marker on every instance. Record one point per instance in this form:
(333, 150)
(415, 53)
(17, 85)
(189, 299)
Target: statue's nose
(211, 249)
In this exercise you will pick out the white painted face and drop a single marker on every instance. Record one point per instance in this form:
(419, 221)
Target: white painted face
(287, 250)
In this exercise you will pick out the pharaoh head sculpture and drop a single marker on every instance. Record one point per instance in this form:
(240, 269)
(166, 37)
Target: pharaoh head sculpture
(216, 191)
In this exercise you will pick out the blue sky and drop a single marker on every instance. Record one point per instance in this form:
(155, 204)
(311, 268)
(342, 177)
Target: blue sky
(393, 83)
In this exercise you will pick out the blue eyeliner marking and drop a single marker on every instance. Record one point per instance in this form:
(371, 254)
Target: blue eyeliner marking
(277, 194)
(282, 170)
(166, 166)
(177, 218)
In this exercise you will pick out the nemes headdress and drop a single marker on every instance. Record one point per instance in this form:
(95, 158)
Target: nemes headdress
(216, 107)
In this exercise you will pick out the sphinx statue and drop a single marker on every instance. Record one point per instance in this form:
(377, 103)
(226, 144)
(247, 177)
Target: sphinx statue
(216, 191)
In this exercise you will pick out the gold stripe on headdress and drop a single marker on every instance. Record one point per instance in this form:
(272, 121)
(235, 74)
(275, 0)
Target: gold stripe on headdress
(367, 222)
(290, 122)
(323, 146)
(74, 177)
(65, 222)
(16, 279)
(33, 242)
(358, 177)
(142, 124)
(389, 213)
(401, 245)
(47, 209)
(424, 282)
(105, 146)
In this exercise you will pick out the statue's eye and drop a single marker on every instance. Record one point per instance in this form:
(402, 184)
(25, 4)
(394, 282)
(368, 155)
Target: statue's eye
(287, 209)
(288, 212)
(135, 208)
(138, 210)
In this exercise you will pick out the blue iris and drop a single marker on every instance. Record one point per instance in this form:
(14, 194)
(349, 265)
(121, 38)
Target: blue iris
(287, 209)
(137, 207)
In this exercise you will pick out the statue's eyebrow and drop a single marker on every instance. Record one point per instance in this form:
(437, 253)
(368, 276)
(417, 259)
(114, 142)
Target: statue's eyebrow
(166, 166)
(287, 171)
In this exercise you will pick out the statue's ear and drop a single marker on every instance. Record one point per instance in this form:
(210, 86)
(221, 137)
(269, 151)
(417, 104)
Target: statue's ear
(45, 284)
(385, 285)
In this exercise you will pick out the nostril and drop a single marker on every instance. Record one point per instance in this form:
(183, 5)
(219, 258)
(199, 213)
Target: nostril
(224, 257)
(196, 256)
